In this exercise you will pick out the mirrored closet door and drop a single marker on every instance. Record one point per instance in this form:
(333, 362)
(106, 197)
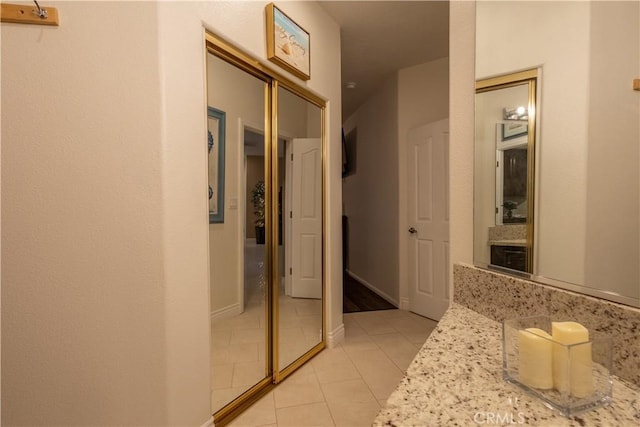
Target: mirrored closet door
(266, 202)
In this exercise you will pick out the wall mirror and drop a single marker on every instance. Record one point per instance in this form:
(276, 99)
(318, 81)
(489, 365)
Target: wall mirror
(586, 200)
(504, 159)
(266, 255)
(300, 221)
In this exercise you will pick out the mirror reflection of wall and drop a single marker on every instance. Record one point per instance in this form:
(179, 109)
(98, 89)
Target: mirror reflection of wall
(501, 178)
(587, 231)
(300, 182)
(237, 262)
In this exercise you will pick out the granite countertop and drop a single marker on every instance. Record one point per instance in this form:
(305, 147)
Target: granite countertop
(506, 242)
(456, 380)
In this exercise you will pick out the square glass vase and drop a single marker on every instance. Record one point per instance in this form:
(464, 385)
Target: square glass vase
(569, 378)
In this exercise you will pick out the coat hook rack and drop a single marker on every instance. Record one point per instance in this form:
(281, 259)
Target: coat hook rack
(23, 14)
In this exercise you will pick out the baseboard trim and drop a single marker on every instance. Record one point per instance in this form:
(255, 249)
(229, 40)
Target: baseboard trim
(373, 288)
(225, 312)
(404, 303)
(336, 336)
(209, 423)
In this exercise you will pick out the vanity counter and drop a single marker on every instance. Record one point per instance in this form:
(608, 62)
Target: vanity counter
(456, 380)
(513, 242)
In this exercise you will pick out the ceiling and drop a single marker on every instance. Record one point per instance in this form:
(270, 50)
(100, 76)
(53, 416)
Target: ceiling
(380, 37)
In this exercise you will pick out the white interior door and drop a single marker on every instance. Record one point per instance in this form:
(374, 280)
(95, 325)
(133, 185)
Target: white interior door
(428, 253)
(306, 218)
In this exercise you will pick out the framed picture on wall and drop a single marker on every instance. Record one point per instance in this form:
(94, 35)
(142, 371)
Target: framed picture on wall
(215, 150)
(287, 43)
(514, 129)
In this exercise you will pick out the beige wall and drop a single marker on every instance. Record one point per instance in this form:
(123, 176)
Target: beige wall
(585, 234)
(84, 337)
(371, 194)
(562, 50)
(241, 96)
(105, 275)
(613, 195)
(462, 21)
(423, 97)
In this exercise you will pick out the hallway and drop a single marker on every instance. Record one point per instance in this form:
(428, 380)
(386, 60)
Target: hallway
(346, 385)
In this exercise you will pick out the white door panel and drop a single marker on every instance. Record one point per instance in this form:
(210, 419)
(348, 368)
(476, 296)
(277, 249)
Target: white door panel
(429, 219)
(306, 219)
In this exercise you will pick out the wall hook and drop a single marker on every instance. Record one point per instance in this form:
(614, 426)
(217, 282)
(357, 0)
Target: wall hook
(22, 14)
(42, 13)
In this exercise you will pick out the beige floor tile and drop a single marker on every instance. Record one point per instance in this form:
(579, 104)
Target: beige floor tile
(374, 325)
(358, 344)
(247, 374)
(354, 414)
(378, 371)
(245, 336)
(298, 390)
(333, 365)
(350, 391)
(221, 376)
(237, 353)
(261, 413)
(398, 348)
(314, 414)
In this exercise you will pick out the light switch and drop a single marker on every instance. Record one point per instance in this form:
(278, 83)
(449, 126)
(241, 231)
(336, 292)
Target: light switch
(233, 203)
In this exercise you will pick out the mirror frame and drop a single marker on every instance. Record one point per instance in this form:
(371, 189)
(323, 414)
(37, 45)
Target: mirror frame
(530, 78)
(226, 51)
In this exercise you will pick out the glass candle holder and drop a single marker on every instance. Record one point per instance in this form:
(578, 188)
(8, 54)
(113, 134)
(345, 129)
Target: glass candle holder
(570, 378)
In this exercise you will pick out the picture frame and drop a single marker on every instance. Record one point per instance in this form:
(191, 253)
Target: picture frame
(514, 129)
(288, 44)
(216, 134)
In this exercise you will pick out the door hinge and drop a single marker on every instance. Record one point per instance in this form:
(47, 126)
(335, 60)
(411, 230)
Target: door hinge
(496, 210)
(498, 164)
(290, 214)
(290, 271)
(292, 157)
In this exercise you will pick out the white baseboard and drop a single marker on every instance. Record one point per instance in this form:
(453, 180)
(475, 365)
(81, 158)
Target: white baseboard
(374, 289)
(209, 423)
(336, 336)
(404, 303)
(225, 312)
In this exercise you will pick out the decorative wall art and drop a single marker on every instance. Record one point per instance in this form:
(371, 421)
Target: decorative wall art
(514, 130)
(287, 43)
(215, 147)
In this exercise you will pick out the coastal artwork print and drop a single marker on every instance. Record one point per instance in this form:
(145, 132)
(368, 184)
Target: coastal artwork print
(287, 43)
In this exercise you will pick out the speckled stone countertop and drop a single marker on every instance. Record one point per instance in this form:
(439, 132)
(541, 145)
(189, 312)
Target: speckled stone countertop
(456, 380)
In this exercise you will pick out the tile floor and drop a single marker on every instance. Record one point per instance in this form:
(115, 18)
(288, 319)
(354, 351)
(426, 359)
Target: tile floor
(238, 342)
(346, 385)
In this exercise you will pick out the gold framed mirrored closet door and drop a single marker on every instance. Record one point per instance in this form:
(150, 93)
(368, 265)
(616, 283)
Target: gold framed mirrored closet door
(266, 233)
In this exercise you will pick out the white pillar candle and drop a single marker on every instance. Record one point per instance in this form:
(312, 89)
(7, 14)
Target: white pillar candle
(535, 358)
(572, 366)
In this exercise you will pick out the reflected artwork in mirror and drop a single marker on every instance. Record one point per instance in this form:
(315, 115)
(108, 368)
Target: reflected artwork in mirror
(585, 229)
(239, 315)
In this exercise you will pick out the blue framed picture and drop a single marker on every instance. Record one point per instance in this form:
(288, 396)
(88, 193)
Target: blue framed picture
(216, 132)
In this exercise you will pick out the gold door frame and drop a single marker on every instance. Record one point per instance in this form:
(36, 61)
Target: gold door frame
(226, 51)
(529, 77)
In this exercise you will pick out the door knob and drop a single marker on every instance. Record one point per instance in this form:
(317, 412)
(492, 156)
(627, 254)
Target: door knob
(413, 230)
